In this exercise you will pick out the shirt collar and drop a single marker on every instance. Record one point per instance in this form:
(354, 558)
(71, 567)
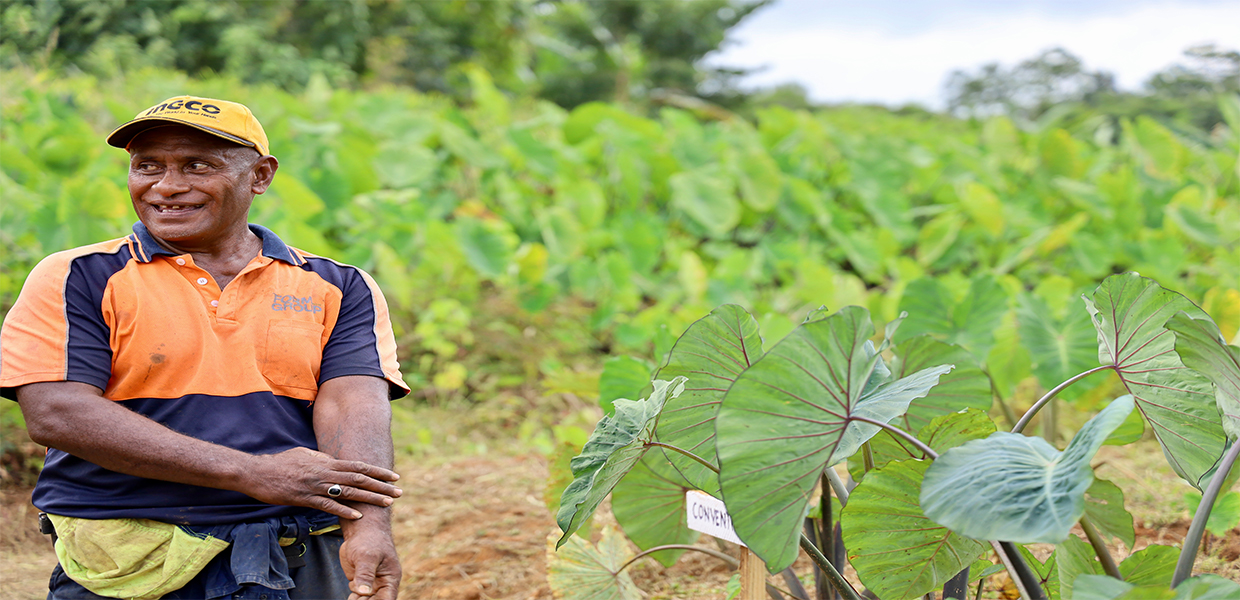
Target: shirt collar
(273, 247)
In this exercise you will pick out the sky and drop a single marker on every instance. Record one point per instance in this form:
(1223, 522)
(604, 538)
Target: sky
(900, 51)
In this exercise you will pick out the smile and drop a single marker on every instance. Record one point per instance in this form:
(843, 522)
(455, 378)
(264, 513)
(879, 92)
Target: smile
(180, 208)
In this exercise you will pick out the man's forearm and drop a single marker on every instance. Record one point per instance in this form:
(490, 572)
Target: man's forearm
(59, 415)
(352, 421)
(69, 416)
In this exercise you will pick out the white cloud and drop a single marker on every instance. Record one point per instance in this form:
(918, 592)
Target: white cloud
(871, 65)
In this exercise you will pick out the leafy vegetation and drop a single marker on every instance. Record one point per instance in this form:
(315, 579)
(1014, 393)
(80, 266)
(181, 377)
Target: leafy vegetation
(517, 241)
(781, 421)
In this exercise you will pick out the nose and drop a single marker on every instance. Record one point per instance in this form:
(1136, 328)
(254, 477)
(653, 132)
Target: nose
(170, 183)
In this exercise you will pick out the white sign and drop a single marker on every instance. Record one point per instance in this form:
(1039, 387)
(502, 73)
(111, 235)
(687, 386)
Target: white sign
(708, 515)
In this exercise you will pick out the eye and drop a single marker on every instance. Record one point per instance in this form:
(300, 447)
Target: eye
(198, 165)
(145, 167)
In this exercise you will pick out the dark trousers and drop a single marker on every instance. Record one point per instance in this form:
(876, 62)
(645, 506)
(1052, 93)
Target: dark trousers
(321, 578)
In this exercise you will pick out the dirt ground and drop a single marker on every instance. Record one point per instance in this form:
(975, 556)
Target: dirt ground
(474, 528)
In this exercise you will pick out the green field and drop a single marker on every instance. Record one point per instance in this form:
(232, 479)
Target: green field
(540, 261)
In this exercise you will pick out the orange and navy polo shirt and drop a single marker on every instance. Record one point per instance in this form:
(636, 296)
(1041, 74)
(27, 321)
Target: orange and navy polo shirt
(238, 367)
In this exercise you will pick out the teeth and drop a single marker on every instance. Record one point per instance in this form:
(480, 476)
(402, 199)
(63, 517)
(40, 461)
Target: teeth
(176, 208)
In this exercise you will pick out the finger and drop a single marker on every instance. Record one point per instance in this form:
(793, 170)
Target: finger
(328, 505)
(359, 481)
(360, 495)
(367, 469)
(363, 580)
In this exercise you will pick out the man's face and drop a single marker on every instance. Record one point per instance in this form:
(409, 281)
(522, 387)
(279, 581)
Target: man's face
(191, 189)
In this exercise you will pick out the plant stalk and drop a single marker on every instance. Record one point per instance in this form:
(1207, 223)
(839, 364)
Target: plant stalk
(927, 450)
(704, 462)
(1025, 579)
(958, 586)
(841, 585)
(837, 485)
(735, 564)
(795, 589)
(1033, 410)
(771, 590)
(1100, 548)
(824, 539)
(1192, 540)
(867, 457)
(822, 591)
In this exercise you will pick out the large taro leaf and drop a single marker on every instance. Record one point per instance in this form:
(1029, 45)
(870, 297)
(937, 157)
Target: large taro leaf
(649, 505)
(792, 414)
(965, 387)
(579, 571)
(1200, 345)
(711, 353)
(896, 550)
(617, 443)
(1016, 488)
(1129, 313)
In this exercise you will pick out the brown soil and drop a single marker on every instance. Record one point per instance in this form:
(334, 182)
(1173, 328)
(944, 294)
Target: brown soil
(476, 528)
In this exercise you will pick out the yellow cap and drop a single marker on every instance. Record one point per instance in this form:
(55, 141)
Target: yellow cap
(229, 120)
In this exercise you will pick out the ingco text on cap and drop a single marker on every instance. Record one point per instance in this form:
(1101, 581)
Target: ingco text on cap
(188, 105)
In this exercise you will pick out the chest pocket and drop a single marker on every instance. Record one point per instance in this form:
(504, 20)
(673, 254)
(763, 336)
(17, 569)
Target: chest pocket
(293, 354)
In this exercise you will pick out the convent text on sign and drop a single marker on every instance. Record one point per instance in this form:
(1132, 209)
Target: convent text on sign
(708, 515)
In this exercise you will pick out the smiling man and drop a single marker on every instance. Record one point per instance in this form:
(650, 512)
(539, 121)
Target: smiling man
(214, 401)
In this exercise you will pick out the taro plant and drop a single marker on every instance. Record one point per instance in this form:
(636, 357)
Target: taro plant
(937, 489)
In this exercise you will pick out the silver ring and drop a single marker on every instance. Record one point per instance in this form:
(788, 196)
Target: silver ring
(335, 490)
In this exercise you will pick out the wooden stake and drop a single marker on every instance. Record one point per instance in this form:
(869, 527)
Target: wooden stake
(753, 576)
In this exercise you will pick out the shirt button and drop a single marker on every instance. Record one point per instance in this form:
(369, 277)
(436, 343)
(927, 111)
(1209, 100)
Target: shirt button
(202, 281)
(215, 303)
(180, 261)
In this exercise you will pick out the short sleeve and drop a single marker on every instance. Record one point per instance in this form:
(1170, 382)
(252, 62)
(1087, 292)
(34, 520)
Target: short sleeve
(362, 342)
(56, 330)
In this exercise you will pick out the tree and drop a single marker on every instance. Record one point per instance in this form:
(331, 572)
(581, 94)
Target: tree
(1027, 90)
(626, 49)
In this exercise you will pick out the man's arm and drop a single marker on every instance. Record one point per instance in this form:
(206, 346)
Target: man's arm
(68, 415)
(352, 421)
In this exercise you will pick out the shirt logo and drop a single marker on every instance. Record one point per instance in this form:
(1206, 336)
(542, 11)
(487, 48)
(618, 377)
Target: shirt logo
(282, 302)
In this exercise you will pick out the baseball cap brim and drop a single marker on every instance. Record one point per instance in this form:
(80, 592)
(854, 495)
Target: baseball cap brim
(123, 135)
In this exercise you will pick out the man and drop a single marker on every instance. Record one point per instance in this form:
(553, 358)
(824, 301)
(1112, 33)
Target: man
(215, 403)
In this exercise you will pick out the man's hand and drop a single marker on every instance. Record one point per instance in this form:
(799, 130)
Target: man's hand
(352, 419)
(369, 558)
(303, 477)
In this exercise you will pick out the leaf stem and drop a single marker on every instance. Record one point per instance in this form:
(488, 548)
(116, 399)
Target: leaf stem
(837, 485)
(1100, 548)
(704, 462)
(1192, 540)
(958, 586)
(715, 553)
(1033, 410)
(845, 589)
(867, 457)
(927, 450)
(1024, 578)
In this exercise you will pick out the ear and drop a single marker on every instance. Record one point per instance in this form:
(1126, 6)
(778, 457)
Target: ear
(264, 171)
